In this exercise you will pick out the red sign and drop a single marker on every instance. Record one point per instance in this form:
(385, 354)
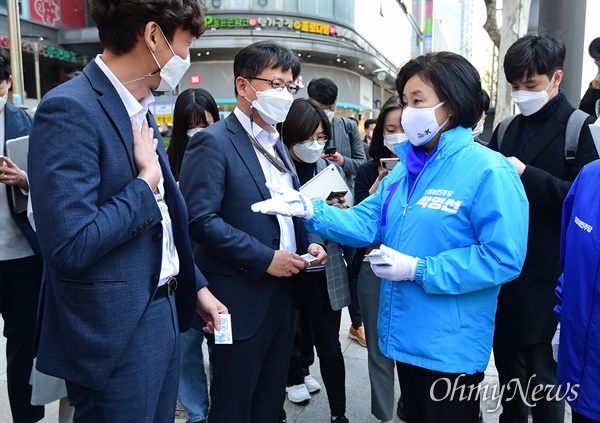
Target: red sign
(45, 11)
(195, 79)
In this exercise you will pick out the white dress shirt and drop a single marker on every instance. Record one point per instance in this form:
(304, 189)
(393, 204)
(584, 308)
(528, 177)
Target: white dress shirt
(137, 111)
(267, 139)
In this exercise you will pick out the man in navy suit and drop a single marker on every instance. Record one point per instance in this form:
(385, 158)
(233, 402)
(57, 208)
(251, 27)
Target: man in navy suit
(119, 279)
(20, 261)
(249, 259)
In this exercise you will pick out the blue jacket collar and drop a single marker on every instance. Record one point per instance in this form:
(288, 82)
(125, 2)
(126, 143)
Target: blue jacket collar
(451, 142)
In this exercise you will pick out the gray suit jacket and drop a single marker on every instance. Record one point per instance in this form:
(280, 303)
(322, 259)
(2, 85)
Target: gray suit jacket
(350, 146)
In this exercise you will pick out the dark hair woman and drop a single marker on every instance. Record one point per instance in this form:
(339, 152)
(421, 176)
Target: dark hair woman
(195, 109)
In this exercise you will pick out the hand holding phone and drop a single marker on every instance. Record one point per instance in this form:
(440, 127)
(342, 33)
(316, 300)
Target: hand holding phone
(336, 195)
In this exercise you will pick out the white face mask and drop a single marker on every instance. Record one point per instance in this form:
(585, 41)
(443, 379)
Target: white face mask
(308, 154)
(330, 114)
(273, 105)
(172, 72)
(193, 131)
(530, 102)
(421, 125)
(3, 100)
(478, 128)
(392, 140)
(370, 134)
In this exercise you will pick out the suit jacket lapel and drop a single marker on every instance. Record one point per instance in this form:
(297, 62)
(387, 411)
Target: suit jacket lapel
(241, 142)
(554, 127)
(113, 106)
(284, 154)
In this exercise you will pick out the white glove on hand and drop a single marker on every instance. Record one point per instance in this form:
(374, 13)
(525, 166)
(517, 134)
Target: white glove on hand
(289, 202)
(555, 341)
(403, 269)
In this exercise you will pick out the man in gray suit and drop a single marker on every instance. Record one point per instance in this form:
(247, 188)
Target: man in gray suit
(350, 153)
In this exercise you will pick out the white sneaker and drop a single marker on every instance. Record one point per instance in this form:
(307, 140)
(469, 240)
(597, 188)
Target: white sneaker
(311, 384)
(297, 393)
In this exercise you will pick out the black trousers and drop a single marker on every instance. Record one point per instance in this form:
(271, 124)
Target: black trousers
(530, 365)
(436, 397)
(321, 330)
(19, 291)
(578, 418)
(354, 306)
(248, 376)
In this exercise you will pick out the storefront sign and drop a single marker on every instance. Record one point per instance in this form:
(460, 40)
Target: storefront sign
(261, 22)
(46, 51)
(195, 79)
(45, 11)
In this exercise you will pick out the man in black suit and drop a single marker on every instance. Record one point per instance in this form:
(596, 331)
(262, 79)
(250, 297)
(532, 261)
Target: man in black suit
(248, 258)
(369, 127)
(534, 142)
(20, 262)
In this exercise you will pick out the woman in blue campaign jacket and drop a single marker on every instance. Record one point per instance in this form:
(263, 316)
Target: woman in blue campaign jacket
(578, 293)
(453, 216)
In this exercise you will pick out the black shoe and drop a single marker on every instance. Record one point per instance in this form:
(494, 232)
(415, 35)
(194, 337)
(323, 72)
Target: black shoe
(400, 410)
(480, 416)
(282, 416)
(339, 419)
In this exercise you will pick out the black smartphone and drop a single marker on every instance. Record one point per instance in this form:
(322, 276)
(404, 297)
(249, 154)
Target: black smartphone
(334, 195)
(330, 150)
(315, 268)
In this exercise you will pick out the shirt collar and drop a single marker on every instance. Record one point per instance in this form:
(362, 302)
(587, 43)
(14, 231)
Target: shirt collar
(266, 138)
(133, 106)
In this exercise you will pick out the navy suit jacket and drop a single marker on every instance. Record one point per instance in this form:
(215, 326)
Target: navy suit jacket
(100, 230)
(17, 124)
(221, 178)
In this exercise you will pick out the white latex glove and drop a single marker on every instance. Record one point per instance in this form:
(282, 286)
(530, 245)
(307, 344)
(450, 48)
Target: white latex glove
(289, 202)
(403, 269)
(555, 341)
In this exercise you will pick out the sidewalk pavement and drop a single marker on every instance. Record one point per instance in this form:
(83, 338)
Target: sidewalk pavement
(317, 409)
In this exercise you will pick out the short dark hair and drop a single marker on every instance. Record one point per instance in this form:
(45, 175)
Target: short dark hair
(121, 22)
(252, 60)
(542, 54)
(485, 98)
(302, 121)
(189, 112)
(323, 90)
(455, 81)
(377, 149)
(5, 71)
(369, 122)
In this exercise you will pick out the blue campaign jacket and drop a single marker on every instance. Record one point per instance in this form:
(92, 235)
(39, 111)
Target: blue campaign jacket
(578, 293)
(467, 219)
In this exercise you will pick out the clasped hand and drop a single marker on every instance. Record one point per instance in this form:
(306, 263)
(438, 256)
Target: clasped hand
(285, 202)
(403, 269)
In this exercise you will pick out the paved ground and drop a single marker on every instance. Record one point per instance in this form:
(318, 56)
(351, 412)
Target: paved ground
(317, 409)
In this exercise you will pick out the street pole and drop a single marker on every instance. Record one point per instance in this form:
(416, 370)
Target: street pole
(16, 57)
(36, 43)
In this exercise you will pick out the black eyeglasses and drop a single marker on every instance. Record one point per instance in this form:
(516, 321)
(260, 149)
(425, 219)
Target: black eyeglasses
(321, 140)
(278, 84)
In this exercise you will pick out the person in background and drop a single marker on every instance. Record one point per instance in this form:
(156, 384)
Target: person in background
(577, 341)
(164, 130)
(534, 142)
(478, 130)
(20, 261)
(453, 234)
(589, 101)
(250, 260)
(195, 109)
(320, 296)
(119, 276)
(369, 126)
(387, 135)
(350, 154)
